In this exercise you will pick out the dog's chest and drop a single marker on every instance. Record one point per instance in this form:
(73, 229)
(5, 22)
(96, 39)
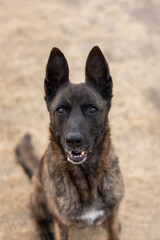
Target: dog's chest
(93, 217)
(90, 217)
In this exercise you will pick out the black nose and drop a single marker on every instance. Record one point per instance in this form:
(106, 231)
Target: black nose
(74, 140)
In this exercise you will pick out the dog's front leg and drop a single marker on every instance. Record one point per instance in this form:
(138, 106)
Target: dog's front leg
(60, 231)
(112, 225)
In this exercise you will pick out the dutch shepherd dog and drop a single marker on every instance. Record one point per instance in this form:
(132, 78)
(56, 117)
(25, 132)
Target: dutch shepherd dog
(78, 180)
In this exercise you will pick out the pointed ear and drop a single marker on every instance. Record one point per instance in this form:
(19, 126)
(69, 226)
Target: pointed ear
(57, 73)
(98, 74)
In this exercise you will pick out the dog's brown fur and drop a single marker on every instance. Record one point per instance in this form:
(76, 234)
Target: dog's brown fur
(65, 192)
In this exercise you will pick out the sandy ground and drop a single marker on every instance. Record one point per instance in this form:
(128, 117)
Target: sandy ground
(128, 33)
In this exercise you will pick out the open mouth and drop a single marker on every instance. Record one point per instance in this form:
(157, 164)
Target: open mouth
(76, 157)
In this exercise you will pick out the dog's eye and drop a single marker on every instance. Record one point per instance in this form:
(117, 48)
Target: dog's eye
(93, 110)
(60, 110)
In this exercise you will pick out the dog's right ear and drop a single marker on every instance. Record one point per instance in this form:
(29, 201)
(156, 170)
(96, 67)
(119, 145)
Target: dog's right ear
(57, 73)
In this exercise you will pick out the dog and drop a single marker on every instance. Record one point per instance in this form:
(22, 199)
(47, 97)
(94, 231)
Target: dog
(78, 181)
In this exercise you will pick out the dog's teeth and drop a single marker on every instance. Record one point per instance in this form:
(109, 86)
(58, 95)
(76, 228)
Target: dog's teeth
(82, 153)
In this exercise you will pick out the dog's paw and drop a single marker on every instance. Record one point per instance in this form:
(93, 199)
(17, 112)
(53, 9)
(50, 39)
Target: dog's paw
(44, 230)
(46, 236)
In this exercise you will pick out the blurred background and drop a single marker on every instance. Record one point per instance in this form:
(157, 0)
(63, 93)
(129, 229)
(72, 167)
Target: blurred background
(128, 32)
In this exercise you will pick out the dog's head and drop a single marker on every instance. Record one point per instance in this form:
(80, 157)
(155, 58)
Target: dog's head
(78, 112)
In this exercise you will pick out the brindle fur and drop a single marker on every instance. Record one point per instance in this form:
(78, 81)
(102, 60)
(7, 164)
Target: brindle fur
(64, 191)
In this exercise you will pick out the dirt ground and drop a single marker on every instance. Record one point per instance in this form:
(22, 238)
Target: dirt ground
(128, 33)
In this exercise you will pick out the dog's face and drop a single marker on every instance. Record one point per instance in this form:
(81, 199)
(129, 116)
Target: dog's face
(79, 113)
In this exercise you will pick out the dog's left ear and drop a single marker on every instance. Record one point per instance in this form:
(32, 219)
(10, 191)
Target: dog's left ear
(57, 73)
(98, 74)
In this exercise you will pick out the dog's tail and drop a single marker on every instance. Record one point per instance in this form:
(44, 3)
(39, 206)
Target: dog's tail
(26, 156)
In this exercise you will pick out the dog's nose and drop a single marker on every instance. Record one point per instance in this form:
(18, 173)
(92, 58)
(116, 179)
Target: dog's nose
(74, 140)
